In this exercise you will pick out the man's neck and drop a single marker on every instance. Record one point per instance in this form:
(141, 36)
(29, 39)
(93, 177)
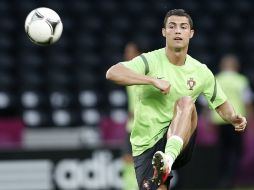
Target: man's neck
(176, 56)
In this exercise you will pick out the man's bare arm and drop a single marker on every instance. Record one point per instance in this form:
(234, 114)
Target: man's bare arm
(227, 112)
(124, 76)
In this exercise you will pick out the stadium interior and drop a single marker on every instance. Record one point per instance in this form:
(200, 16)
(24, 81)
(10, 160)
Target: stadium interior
(58, 96)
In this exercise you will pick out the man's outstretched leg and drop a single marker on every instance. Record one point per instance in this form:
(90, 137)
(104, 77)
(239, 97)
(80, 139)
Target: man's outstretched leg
(180, 131)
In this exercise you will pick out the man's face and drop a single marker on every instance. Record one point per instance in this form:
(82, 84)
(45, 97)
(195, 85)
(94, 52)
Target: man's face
(177, 31)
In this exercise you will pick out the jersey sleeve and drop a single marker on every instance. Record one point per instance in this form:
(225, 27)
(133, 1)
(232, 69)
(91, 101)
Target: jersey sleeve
(213, 91)
(139, 64)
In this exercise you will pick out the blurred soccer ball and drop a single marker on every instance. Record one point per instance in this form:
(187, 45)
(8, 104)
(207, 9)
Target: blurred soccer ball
(43, 26)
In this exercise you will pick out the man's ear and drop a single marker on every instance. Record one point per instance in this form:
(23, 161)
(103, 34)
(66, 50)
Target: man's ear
(192, 34)
(163, 32)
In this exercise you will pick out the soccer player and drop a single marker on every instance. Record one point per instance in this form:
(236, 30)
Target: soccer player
(237, 89)
(132, 49)
(165, 119)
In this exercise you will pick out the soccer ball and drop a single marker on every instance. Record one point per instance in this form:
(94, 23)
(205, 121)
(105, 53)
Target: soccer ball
(43, 26)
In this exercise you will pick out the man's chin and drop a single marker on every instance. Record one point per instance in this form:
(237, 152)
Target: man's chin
(178, 46)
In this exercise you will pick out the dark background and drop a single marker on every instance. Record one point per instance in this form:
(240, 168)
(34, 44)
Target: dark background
(57, 97)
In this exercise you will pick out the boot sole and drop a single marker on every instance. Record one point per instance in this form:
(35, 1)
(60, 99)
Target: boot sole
(158, 164)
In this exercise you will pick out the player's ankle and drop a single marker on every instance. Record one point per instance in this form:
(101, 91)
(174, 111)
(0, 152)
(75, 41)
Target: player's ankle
(170, 161)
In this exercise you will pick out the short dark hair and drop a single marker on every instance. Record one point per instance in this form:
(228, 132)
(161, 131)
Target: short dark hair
(178, 12)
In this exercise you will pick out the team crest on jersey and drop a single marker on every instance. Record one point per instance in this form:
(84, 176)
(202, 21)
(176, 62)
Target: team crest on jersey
(191, 83)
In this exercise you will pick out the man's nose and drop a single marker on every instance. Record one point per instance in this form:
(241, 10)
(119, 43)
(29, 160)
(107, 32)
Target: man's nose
(178, 30)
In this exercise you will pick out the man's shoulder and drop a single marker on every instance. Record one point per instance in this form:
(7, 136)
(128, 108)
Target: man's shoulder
(196, 63)
(236, 75)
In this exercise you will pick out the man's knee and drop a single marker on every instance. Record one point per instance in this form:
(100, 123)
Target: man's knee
(185, 104)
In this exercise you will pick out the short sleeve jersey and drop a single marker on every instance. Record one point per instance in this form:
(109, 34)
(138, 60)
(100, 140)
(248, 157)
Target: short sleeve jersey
(131, 104)
(235, 87)
(153, 110)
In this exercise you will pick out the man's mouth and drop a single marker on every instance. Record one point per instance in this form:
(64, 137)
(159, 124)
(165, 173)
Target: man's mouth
(178, 38)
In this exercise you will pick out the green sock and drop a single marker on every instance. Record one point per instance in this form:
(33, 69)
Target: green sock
(174, 146)
(129, 177)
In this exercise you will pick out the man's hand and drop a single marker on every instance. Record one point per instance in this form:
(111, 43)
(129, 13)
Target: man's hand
(162, 85)
(227, 112)
(239, 122)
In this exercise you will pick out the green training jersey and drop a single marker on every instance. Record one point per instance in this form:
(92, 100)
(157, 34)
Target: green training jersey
(235, 87)
(153, 110)
(131, 103)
